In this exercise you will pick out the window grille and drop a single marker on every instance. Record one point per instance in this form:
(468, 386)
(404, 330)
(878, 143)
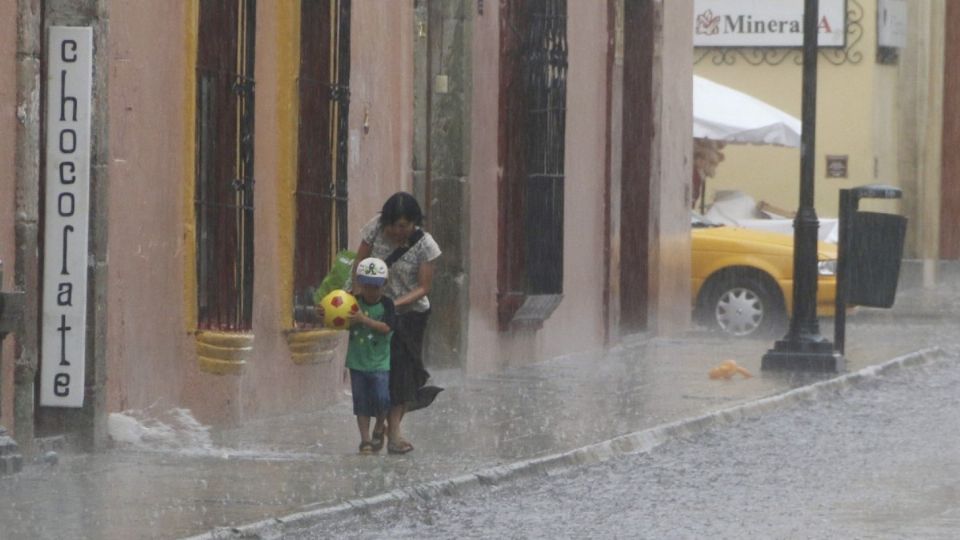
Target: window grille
(224, 164)
(545, 66)
(321, 194)
(532, 135)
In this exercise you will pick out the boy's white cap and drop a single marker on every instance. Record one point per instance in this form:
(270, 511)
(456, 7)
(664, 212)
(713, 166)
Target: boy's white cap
(372, 271)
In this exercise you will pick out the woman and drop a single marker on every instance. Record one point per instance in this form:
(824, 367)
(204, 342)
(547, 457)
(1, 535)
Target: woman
(395, 237)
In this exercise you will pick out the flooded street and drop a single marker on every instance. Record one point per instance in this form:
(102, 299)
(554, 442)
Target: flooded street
(876, 460)
(173, 478)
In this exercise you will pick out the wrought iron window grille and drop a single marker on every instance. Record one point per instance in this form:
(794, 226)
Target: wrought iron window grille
(533, 128)
(321, 194)
(223, 201)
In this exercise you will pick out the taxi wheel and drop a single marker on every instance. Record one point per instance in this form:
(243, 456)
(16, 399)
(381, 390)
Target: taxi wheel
(745, 305)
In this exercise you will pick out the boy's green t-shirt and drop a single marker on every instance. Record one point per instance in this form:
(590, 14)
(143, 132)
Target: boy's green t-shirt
(368, 349)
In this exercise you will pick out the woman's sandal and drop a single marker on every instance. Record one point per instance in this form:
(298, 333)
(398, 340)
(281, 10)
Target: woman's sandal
(376, 440)
(399, 447)
(366, 447)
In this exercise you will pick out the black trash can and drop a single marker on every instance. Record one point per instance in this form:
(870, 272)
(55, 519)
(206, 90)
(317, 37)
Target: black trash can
(876, 249)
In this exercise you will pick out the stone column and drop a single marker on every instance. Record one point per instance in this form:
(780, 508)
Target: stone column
(442, 90)
(921, 81)
(613, 175)
(672, 158)
(27, 199)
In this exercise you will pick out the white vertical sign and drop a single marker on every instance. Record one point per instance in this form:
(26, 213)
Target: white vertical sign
(66, 215)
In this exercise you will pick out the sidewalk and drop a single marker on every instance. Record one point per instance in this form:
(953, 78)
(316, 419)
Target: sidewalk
(277, 467)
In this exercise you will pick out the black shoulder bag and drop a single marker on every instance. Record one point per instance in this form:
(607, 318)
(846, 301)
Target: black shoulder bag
(400, 251)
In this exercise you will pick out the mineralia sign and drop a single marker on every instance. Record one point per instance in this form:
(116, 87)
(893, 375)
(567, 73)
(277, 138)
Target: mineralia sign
(66, 215)
(765, 23)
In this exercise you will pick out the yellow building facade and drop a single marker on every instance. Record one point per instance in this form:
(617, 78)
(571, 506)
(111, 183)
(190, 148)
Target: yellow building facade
(877, 117)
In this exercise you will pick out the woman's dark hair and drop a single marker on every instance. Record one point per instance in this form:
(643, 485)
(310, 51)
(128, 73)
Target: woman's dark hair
(401, 205)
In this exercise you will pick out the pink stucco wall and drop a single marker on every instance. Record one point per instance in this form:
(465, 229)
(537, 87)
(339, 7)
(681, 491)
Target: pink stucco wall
(8, 119)
(577, 325)
(483, 179)
(270, 382)
(673, 162)
(381, 91)
(151, 356)
(147, 344)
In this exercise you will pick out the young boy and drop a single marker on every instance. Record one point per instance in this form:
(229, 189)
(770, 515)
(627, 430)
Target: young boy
(368, 352)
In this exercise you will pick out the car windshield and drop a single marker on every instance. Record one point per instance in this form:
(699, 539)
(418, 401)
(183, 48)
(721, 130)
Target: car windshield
(698, 221)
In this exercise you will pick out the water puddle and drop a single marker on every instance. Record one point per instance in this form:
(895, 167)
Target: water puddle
(176, 431)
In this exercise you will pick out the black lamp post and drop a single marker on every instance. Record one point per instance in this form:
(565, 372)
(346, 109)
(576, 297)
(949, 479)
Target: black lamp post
(803, 348)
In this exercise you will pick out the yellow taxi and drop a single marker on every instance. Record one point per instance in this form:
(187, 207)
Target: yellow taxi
(742, 279)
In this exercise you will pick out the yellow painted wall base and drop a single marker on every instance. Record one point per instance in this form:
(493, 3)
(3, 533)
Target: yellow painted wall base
(314, 346)
(223, 353)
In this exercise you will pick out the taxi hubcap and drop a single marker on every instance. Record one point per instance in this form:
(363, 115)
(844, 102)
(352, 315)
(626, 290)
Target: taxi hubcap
(739, 311)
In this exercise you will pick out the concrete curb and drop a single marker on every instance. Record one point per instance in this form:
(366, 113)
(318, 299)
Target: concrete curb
(638, 442)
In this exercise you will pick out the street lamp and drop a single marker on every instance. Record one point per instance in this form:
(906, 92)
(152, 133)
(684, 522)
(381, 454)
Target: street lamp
(803, 348)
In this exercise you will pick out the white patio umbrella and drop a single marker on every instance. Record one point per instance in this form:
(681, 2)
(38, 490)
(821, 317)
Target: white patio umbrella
(723, 114)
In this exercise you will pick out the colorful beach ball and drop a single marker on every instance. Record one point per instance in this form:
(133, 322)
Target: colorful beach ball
(337, 307)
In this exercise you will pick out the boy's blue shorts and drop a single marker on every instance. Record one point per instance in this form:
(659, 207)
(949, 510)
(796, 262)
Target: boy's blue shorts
(371, 392)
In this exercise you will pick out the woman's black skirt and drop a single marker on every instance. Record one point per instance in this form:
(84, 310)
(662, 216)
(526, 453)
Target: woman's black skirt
(407, 373)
